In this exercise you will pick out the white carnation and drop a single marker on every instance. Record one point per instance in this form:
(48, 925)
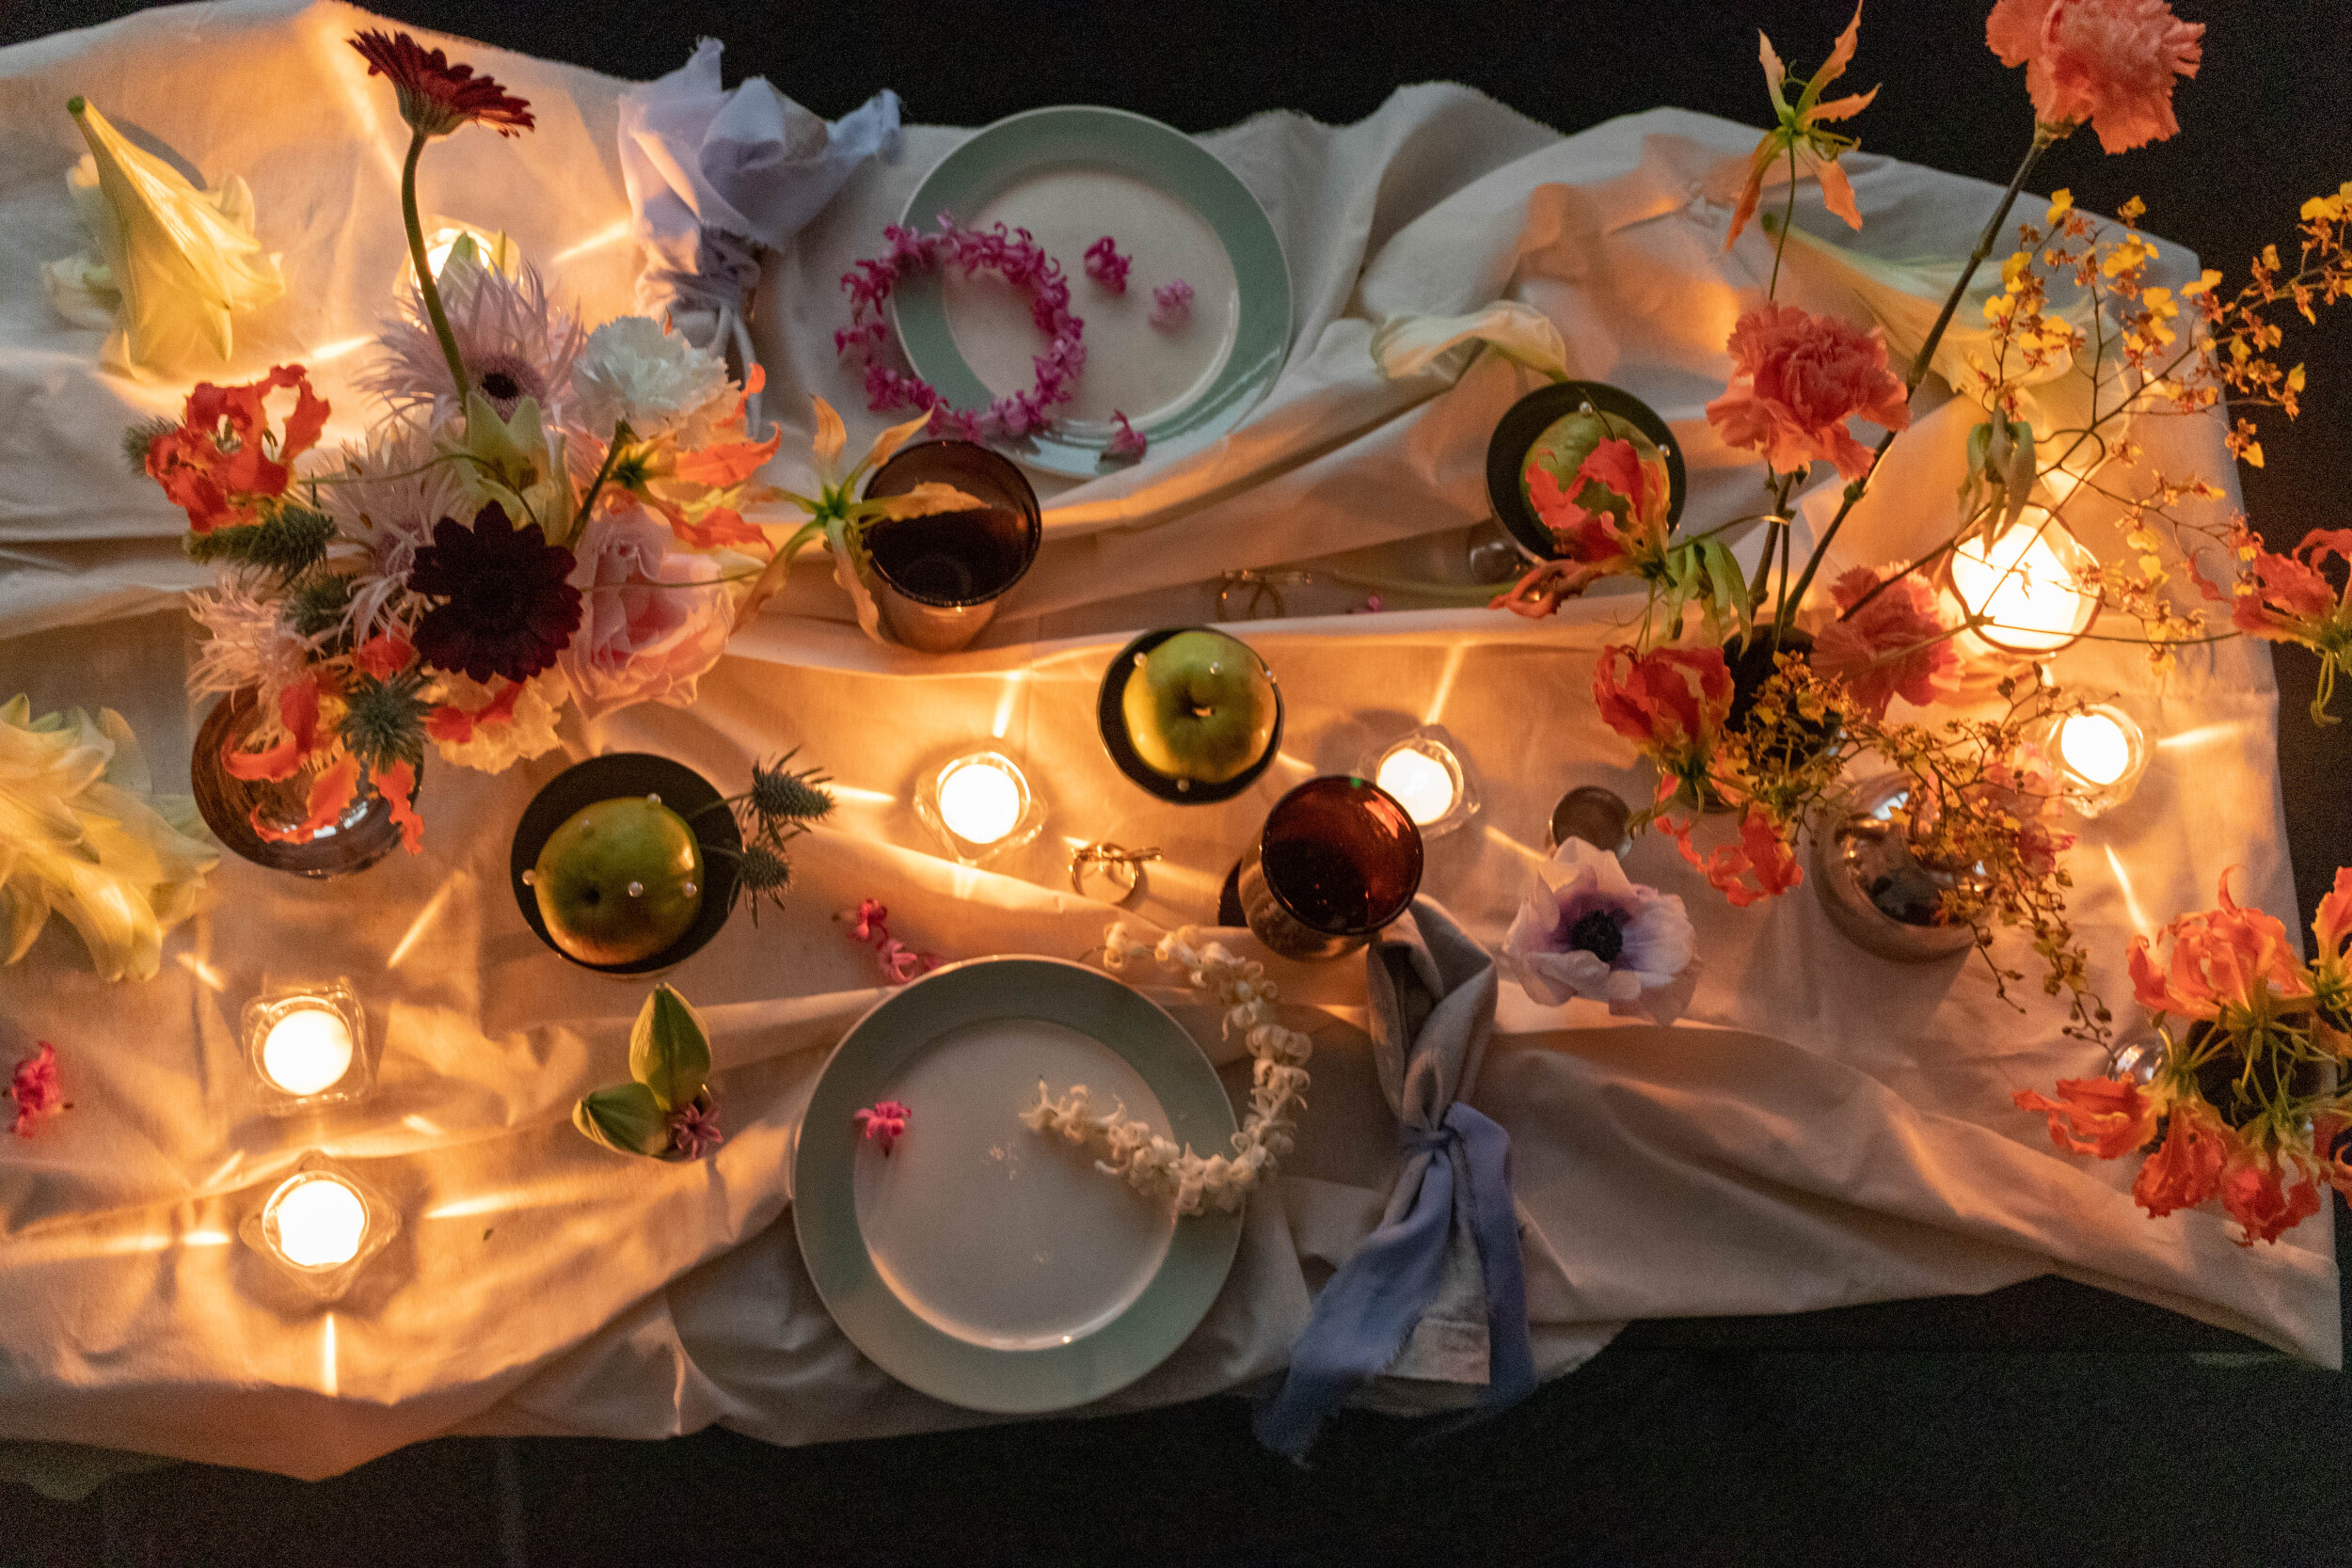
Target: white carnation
(655, 381)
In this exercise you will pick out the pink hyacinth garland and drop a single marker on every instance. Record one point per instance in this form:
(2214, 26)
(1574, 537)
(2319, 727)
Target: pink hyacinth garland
(1022, 262)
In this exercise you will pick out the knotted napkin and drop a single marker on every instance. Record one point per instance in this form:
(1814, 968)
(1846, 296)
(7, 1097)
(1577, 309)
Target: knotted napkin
(1437, 1290)
(714, 178)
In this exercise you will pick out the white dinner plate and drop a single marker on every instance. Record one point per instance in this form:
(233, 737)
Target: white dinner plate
(982, 1262)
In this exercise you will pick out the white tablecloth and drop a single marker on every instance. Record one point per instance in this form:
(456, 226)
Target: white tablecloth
(1824, 1128)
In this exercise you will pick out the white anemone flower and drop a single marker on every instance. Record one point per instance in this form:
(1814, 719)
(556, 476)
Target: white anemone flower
(1586, 930)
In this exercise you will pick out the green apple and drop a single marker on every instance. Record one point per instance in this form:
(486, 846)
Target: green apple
(1200, 707)
(1565, 445)
(620, 881)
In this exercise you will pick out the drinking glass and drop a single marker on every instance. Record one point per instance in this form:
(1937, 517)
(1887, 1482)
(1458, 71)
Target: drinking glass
(1338, 860)
(941, 577)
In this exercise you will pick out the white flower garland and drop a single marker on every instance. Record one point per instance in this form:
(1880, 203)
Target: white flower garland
(1151, 1164)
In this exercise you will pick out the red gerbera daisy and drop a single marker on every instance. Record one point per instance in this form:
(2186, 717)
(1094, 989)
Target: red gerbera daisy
(436, 96)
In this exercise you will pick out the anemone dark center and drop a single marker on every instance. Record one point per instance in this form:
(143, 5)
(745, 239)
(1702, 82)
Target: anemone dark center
(1598, 934)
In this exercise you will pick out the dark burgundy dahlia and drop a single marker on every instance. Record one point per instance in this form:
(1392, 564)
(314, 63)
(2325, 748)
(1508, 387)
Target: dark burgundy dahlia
(505, 606)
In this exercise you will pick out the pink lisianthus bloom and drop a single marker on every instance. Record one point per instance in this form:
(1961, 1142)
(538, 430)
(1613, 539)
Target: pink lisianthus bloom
(35, 1088)
(1896, 646)
(2107, 1116)
(2107, 63)
(1586, 930)
(1671, 703)
(2220, 958)
(884, 1122)
(1796, 379)
(2266, 1190)
(638, 641)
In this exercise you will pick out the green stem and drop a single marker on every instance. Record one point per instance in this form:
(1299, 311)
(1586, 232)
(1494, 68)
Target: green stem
(2042, 137)
(621, 434)
(424, 272)
(1786, 219)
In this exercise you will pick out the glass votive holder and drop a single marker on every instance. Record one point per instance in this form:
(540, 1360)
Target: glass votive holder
(1337, 861)
(979, 805)
(2035, 586)
(1426, 772)
(2098, 755)
(941, 577)
(308, 1046)
(322, 1225)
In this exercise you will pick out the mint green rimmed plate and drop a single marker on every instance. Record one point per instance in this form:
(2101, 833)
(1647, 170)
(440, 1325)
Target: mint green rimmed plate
(1069, 175)
(982, 1263)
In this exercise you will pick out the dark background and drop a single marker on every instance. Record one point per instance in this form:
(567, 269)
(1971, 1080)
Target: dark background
(2048, 1423)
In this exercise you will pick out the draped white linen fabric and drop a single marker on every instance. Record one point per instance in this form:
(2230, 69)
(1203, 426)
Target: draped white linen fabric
(1821, 1129)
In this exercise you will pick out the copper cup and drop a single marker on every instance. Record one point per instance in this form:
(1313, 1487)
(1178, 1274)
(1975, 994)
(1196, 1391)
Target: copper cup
(939, 579)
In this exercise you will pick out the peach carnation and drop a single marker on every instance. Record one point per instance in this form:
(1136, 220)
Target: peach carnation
(1796, 379)
(1896, 646)
(2106, 63)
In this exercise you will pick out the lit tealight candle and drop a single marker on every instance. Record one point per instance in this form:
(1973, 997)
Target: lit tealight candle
(306, 1051)
(1423, 785)
(319, 1221)
(2099, 753)
(981, 800)
(2094, 746)
(2029, 598)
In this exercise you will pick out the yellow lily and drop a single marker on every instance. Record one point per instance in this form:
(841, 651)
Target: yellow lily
(178, 262)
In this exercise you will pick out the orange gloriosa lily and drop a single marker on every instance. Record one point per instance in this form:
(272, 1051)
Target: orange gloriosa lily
(1800, 136)
(2224, 957)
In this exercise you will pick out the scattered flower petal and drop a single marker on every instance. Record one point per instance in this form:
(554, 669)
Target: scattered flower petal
(1107, 266)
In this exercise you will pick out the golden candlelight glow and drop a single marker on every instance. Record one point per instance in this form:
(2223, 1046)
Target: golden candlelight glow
(2095, 746)
(2029, 598)
(1423, 785)
(306, 1051)
(319, 1220)
(980, 800)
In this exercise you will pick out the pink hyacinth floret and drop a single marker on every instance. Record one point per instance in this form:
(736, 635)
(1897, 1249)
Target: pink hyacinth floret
(1171, 304)
(694, 1129)
(35, 1088)
(1107, 266)
(1129, 444)
(884, 1122)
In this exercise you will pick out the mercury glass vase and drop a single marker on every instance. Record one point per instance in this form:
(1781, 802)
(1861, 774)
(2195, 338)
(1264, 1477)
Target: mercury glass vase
(260, 819)
(1878, 896)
